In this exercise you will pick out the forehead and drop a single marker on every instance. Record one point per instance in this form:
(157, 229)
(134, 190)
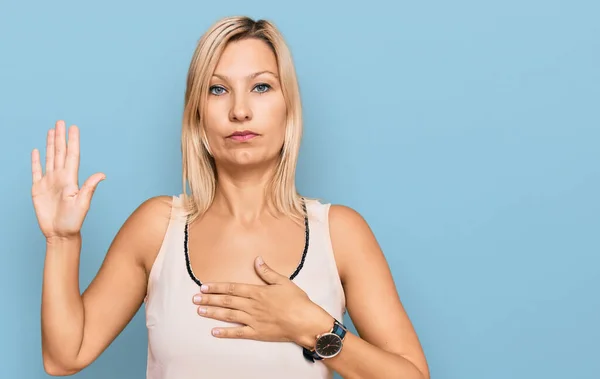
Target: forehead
(244, 57)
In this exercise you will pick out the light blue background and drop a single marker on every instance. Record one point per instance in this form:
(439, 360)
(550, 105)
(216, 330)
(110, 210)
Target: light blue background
(466, 133)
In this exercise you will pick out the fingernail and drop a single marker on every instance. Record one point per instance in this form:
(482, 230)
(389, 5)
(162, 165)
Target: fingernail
(216, 332)
(260, 261)
(204, 288)
(202, 310)
(197, 298)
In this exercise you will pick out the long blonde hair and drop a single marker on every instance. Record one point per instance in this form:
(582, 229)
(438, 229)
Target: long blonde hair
(199, 170)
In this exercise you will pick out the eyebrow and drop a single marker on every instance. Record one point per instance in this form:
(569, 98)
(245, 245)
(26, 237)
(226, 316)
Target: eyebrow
(251, 76)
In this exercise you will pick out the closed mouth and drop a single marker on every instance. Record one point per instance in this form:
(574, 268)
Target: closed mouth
(243, 133)
(243, 136)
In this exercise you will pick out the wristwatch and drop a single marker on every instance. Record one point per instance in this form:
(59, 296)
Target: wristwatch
(327, 345)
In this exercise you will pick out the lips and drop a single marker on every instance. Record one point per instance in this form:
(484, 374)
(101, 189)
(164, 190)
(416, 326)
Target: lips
(243, 135)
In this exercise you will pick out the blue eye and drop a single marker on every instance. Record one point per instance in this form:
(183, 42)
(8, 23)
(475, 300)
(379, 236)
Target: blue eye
(261, 88)
(217, 90)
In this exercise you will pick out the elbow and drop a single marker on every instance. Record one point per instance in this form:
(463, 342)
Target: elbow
(424, 372)
(55, 368)
(419, 369)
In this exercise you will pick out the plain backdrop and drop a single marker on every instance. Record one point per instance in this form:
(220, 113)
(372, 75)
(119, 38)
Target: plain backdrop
(467, 133)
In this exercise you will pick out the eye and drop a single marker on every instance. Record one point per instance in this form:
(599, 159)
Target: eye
(261, 88)
(217, 90)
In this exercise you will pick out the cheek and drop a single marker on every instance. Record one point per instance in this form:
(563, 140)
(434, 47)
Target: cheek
(216, 124)
(213, 118)
(273, 118)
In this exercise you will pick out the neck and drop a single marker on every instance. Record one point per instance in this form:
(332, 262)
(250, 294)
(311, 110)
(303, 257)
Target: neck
(240, 192)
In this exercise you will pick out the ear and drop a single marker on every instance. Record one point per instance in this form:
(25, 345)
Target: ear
(267, 273)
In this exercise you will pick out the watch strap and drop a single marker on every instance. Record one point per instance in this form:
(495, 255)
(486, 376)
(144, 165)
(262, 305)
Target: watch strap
(310, 355)
(339, 329)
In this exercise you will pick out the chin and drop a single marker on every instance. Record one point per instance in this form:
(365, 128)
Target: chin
(253, 158)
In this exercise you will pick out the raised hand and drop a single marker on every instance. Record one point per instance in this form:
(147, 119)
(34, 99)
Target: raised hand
(60, 205)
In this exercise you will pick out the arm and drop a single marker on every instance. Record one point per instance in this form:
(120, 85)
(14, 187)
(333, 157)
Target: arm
(388, 345)
(76, 328)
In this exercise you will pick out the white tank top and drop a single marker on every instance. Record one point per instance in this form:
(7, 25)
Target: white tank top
(180, 345)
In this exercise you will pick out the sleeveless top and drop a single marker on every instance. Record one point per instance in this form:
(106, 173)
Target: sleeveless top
(180, 344)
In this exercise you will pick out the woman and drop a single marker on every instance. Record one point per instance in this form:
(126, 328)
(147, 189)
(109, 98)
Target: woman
(242, 278)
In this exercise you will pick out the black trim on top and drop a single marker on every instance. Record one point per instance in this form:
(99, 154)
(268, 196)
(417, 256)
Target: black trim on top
(188, 264)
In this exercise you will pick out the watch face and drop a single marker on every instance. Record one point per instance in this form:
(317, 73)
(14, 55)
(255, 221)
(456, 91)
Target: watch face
(328, 345)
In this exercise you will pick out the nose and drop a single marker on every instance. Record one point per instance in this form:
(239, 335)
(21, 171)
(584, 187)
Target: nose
(240, 110)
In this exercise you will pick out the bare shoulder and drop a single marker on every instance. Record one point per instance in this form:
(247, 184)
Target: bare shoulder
(344, 214)
(351, 237)
(154, 211)
(151, 216)
(146, 227)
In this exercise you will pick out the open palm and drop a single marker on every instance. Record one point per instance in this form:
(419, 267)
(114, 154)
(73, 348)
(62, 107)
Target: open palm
(60, 205)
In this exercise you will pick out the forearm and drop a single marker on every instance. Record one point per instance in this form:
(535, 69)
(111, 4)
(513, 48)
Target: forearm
(361, 360)
(62, 305)
(358, 358)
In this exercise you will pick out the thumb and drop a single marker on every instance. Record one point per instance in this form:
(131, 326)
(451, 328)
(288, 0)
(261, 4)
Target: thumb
(267, 273)
(90, 185)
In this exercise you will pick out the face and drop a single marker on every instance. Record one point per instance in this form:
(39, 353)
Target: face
(245, 112)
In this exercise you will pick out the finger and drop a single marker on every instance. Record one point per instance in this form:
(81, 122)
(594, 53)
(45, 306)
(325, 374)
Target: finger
(236, 289)
(267, 273)
(36, 166)
(89, 187)
(60, 145)
(72, 160)
(237, 332)
(50, 150)
(225, 301)
(225, 314)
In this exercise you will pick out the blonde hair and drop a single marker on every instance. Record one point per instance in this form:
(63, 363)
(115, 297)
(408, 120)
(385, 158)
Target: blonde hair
(199, 170)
